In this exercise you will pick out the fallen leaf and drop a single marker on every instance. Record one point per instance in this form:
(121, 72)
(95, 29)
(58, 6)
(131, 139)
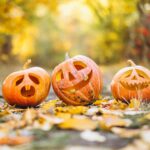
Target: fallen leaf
(72, 109)
(126, 133)
(137, 144)
(92, 136)
(63, 115)
(145, 135)
(29, 116)
(79, 124)
(106, 122)
(18, 140)
(4, 113)
(134, 104)
(49, 105)
(100, 102)
(92, 111)
(147, 116)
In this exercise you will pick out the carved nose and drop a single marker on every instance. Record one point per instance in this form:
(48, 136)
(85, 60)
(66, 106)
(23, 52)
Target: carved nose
(134, 77)
(27, 87)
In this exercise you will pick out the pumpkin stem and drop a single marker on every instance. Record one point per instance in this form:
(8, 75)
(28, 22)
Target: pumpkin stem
(67, 56)
(131, 63)
(27, 63)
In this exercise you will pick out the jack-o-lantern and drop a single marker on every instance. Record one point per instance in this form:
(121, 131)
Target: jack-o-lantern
(131, 82)
(77, 80)
(28, 87)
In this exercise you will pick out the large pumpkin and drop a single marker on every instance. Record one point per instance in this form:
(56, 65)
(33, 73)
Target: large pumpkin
(131, 82)
(28, 87)
(77, 80)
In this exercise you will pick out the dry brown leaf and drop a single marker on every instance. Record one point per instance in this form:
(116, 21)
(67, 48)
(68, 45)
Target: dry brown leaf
(4, 113)
(50, 118)
(9, 125)
(29, 116)
(111, 104)
(79, 124)
(106, 122)
(18, 140)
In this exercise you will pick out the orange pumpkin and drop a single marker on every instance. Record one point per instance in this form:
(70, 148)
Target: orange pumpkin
(131, 82)
(28, 87)
(77, 81)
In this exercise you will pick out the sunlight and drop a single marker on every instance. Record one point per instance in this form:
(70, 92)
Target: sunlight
(104, 3)
(75, 9)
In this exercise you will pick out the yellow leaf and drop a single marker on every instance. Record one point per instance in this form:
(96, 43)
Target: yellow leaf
(147, 116)
(99, 102)
(48, 105)
(63, 115)
(72, 109)
(134, 104)
(79, 124)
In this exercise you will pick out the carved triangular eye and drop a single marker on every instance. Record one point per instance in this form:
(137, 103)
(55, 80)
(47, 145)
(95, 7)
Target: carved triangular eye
(127, 76)
(20, 79)
(141, 76)
(79, 65)
(34, 79)
(71, 77)
(59, 75)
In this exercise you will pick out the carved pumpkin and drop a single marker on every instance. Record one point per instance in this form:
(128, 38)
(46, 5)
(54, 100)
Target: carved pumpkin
(28, 87)
(131, 82)
(77, 81)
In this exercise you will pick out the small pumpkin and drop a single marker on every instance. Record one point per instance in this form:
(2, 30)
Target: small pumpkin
(131, 82)
(28, 87)
(77, 80)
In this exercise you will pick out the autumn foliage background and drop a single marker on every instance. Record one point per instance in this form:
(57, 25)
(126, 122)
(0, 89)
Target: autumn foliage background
(44, 30)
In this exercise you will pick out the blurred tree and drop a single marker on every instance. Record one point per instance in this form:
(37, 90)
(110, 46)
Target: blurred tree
(141, 33)
(5, 47)
(114, 20)
(18, 24)
(45, 29)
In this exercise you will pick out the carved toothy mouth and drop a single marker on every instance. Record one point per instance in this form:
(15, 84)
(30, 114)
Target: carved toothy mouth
(135, 85)
(28, 91)
(80, 85)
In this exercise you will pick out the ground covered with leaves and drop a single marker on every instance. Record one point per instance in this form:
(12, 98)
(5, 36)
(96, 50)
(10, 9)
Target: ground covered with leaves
(107, 124)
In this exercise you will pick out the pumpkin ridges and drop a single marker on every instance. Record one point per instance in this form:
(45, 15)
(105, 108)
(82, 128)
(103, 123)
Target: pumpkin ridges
(131, 81)
(13, 96)
(73, 84)
(98, 88)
